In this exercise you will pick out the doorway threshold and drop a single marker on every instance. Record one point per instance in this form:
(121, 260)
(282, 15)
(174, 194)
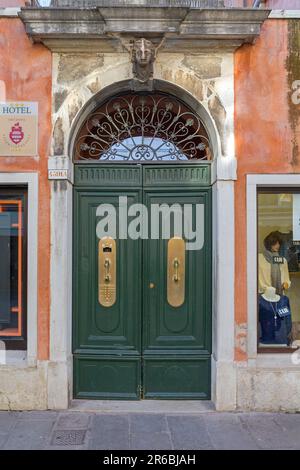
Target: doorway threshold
(143, 406)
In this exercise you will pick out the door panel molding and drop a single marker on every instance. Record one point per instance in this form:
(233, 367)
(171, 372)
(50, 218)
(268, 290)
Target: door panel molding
(156, 349)
(97, 327)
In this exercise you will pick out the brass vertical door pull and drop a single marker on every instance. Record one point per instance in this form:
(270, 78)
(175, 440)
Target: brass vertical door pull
(107, 271)
(106, 266)
(176, 266)
(176, 272)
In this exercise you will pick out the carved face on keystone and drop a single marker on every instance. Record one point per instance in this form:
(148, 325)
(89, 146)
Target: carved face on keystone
(144, 53)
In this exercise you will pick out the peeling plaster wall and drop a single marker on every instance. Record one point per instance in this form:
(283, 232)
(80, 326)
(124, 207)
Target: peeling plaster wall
(76, 78)
(209, 78)
(293, 75)
(25, 74)
(263, 135)
(11, 3)
(267, 138)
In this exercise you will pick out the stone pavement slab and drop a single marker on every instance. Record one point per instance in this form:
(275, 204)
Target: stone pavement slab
(73, 420)
(266, 431)
(151, 441)
(8, 419)
(110, 432)
(145, 423)
(290, 425)
(80, 430)
(228, 432)
(29, 434)
(3, 439)
(38, 415)
(189, 432)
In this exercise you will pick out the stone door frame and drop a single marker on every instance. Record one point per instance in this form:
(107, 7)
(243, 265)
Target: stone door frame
(223, 176)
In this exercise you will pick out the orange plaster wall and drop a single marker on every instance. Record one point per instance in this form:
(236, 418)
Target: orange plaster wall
(11, 3)
(263, 135)
(25, 74)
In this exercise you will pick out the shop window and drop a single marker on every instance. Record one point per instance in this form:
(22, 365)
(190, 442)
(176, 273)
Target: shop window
(278, 270)
(13, 227)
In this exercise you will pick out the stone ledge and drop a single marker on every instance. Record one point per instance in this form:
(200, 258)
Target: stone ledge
(9, 12)
(135, 3)
(284, 14)
(116, 26)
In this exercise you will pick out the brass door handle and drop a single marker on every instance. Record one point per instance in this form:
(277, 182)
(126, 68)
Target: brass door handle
(106, 267)
(107, 271)
(176, 264)
(176, 271)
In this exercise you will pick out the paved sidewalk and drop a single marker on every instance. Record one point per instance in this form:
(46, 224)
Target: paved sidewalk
(130, 430)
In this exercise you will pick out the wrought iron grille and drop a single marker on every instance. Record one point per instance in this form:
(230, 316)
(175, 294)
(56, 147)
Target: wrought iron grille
(148, 127)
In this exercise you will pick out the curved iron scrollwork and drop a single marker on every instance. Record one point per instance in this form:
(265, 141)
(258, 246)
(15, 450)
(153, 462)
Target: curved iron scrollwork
(149, 127)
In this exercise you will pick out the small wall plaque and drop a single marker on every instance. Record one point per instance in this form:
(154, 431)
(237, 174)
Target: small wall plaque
(18, 129)
(59, 168)
(57, 174)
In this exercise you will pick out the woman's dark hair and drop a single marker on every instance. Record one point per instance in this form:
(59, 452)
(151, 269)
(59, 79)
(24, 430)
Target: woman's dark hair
(271, 240)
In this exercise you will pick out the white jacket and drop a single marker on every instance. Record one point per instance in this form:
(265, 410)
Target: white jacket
(264, 273)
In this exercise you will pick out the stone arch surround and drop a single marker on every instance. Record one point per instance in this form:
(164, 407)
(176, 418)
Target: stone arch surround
(203, 81)
(206, 82)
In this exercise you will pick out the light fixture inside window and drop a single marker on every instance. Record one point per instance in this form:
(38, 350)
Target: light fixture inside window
(284, 199)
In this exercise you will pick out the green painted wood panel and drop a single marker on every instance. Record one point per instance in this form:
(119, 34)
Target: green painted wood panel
(100, 330)
(177, 340)
(180, 175)
(141, 346)
(114, 176)
(186, 327)
(107, 377)
(105, 328)
(177, 377)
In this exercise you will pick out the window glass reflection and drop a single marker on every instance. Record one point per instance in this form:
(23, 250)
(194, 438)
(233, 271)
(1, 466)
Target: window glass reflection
(278, 269)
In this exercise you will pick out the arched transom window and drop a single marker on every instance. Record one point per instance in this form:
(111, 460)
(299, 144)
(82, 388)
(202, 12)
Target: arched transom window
(142, 128)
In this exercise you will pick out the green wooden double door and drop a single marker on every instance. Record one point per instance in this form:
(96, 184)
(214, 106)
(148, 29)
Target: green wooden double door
(149, 342)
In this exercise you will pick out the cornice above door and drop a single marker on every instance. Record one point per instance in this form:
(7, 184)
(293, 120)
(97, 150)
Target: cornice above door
(105, 26)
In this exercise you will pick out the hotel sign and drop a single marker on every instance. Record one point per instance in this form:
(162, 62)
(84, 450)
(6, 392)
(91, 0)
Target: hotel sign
(18, 128)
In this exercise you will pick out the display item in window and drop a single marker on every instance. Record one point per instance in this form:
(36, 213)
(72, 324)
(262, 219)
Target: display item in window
(289, 251)
(272, 267)
(275, 318)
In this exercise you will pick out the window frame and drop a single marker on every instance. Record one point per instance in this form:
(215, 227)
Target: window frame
(31, 181)
(270, 182)
(19, 342)
(271, 190)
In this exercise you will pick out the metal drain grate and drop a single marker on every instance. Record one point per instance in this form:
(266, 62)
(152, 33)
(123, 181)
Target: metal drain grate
(68, 437)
